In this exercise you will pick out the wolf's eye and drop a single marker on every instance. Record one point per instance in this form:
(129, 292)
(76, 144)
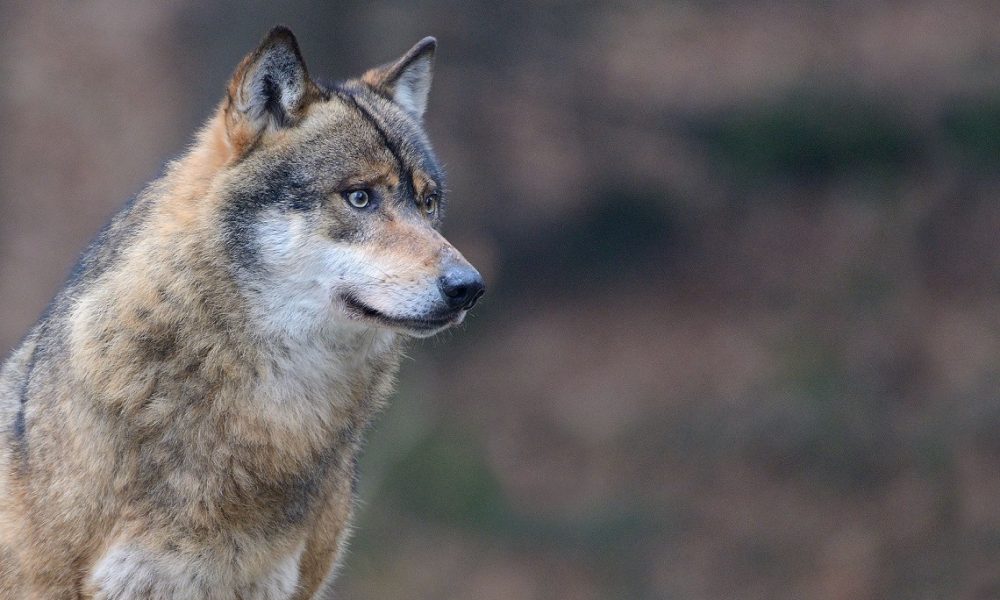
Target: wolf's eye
(357, 198)
(430, 204)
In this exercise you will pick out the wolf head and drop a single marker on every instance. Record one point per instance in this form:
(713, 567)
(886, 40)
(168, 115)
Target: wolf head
(332, 197)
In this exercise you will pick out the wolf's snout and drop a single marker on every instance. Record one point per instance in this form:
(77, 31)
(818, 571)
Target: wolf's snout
(462, 287)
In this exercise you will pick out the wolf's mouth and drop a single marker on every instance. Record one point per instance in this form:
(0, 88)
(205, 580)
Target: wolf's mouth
(423, 325)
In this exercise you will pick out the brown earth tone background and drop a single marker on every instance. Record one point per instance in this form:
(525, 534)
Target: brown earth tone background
(742, 338)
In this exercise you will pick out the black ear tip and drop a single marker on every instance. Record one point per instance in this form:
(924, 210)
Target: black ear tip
(425, 46)
(280, 34)
(280, 39)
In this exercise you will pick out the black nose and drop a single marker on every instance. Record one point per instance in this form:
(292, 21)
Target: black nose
(462, 288)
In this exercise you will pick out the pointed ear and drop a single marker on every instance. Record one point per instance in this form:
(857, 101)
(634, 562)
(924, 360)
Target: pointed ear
(269, 90)
(407, 82)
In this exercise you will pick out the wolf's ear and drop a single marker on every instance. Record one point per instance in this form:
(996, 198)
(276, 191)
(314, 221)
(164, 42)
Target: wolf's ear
(407, 82)
(269, 90)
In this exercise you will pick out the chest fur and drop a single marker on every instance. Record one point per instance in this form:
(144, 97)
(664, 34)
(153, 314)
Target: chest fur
(222, 426)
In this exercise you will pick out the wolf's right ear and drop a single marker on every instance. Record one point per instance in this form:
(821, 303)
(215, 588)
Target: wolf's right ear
(270, 90)
(407, 82)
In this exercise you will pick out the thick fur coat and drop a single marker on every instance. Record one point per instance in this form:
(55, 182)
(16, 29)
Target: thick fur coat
(184, 420)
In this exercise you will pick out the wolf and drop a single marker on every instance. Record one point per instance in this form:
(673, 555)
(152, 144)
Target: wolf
(184, 420)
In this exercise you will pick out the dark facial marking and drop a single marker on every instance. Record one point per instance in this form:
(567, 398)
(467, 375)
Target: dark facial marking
(407, 141)
(350, 99)
(282, 188)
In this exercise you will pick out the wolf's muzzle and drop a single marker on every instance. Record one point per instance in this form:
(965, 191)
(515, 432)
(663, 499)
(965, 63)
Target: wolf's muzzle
(461, 287)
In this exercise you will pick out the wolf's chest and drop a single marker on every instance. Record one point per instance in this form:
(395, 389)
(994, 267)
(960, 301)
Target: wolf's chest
(133, 571)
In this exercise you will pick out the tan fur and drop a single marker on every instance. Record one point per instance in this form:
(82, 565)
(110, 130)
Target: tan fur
(189, 423)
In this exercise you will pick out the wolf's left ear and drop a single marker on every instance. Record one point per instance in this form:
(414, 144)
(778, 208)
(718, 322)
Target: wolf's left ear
(407, 82)
(269, 90)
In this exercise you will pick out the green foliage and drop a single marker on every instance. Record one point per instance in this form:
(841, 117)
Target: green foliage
(973, 125)
(444, 477)
(627, 232)
(811, 137)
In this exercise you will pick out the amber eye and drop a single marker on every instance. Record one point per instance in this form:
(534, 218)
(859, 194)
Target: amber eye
(430, 204)
(357, 198)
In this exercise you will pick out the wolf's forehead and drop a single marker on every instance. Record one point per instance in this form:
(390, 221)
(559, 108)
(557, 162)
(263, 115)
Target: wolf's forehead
(371, 125)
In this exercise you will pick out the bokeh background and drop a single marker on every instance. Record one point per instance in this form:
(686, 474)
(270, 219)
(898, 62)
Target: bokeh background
(742, 338)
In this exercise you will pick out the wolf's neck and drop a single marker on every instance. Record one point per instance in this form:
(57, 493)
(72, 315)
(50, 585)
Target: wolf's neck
(170, 327)
(158, 355)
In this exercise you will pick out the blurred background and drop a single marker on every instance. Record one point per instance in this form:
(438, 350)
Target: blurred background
(742, 338)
